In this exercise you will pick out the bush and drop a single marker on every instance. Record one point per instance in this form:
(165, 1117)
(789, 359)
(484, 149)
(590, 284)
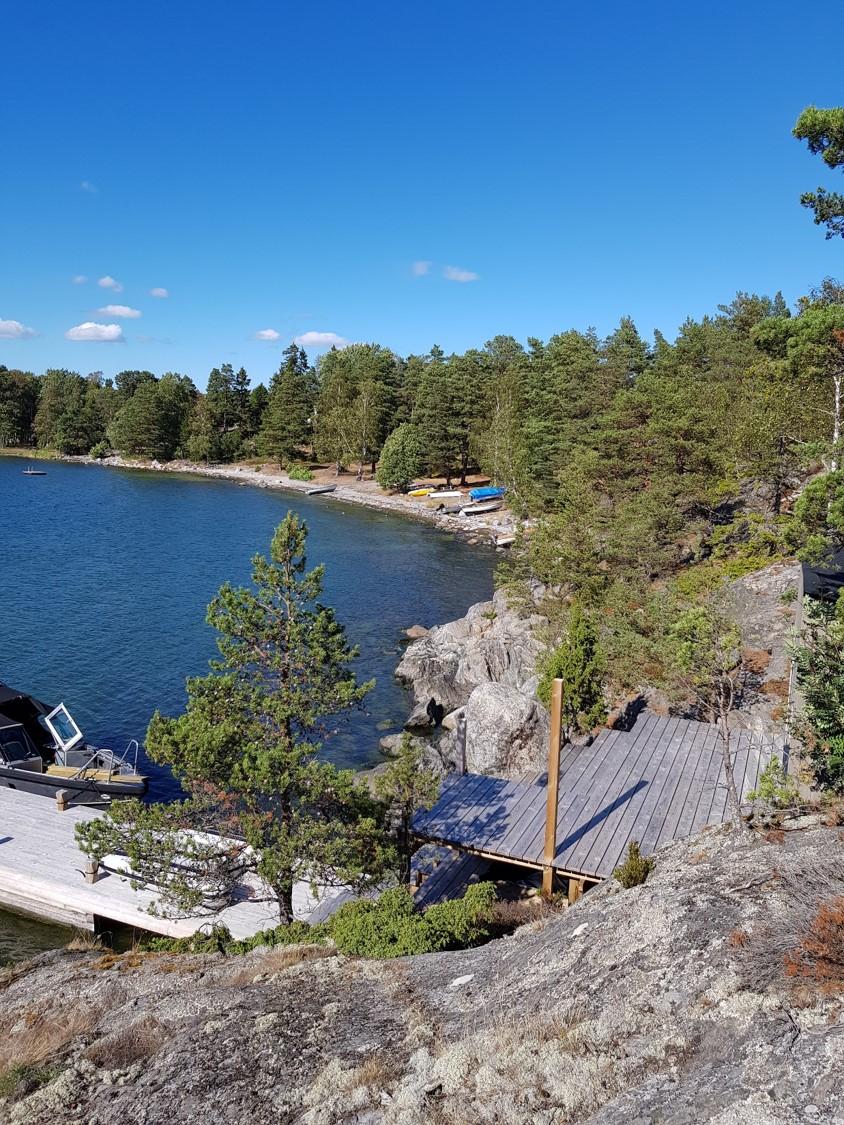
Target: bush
(299, 472)
(819, 958)
(100, 450)
(392, 927)
(635, 869)
(776, 788)
(401, 458)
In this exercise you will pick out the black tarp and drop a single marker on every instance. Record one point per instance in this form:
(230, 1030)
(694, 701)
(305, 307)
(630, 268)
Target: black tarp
(826, 580)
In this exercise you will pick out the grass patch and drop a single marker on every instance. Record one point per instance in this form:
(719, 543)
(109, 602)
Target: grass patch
(20, 1080)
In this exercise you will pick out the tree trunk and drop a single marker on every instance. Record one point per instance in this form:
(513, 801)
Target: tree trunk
(284, 897)
(836, 420)
(725, 736)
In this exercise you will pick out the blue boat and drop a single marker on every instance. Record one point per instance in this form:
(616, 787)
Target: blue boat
(488, 493)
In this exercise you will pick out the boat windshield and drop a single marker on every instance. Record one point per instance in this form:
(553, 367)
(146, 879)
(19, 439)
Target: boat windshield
(63, 728)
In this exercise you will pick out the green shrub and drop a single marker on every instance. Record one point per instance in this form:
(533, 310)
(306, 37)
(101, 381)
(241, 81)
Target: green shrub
(100, 450)
(299, 472)
(635, 869)
(776, 788)
(392, 927)
(401, 458)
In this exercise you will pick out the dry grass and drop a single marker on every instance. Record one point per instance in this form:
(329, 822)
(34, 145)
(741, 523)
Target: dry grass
(376, 1073)
(35, 1036)
(129, 1044)
(276, 961)
(84, 942)
(509, 914)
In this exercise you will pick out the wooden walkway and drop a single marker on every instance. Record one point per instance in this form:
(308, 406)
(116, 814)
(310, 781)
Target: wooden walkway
(41, 874)
(658, 782)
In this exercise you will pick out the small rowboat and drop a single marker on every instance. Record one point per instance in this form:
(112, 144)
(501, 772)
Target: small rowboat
(481, 509)
(420, 492)
(442, 499)
(319, 489)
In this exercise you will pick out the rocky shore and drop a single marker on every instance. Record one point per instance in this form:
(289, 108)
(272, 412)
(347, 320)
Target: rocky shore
(481, 671)
(484, 528)
(701, 996)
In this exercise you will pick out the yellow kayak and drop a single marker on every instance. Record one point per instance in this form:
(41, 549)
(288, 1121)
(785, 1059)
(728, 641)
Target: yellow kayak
(420, 492)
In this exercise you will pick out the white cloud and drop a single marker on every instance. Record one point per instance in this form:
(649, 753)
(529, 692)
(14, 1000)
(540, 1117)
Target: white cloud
(268, 334)
(79, 279)
(109, 283)
(158, 291)
(320, 340)
(86, 185)
(14, 330)
(421, 268)
(96, 333)
(455, 273)
(120, 310)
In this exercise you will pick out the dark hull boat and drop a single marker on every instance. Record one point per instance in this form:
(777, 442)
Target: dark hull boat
(43, 751)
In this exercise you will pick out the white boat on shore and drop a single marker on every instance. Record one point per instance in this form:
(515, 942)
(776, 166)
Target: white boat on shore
(482, 508)
(320, 488)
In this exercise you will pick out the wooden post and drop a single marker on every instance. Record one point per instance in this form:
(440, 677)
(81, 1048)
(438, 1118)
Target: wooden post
(62, 799)
(91, 870)
(553, 794)
(576, 889)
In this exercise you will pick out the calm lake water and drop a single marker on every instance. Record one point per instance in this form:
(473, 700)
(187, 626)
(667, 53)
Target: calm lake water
(105, 576)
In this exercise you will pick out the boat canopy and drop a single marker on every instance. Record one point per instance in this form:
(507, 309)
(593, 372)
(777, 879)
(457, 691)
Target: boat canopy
(826, 580)
(490, 492)
(18, 706)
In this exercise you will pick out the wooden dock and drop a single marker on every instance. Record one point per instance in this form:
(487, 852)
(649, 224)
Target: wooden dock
(42, 874)
(661, 781)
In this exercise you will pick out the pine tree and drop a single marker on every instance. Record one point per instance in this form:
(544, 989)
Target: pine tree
(285, 426)
(579, 663)
(246, 751)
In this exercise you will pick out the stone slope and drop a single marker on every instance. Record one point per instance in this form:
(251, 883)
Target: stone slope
(669, 1003)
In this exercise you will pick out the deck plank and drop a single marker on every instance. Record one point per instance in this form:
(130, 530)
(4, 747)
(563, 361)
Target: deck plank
(630, 782)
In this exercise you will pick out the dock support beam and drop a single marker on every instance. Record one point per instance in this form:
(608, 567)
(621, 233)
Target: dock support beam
(553, 793)
(576, 889)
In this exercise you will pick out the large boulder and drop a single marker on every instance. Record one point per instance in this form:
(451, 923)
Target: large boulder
(507, 732)
(491, 644)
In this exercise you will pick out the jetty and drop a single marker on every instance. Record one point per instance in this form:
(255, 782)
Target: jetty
(660, 781)
(44, 874)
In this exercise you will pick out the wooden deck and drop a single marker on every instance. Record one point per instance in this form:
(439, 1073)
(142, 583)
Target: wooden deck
(658, 782)
(41, 873)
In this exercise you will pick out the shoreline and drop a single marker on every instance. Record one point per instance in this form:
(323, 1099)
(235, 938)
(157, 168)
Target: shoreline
(478, 530)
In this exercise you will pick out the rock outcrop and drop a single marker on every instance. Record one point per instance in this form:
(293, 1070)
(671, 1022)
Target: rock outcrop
(701, 996)
(483, 664)
(507, 731)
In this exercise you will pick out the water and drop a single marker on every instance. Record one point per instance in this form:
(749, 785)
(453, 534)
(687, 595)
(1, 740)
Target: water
(105, 576)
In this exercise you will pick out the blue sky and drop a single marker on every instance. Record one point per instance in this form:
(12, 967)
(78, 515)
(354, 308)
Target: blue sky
(277, 166)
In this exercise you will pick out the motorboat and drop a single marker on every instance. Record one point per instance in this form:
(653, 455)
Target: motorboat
(30, 472)
(43, 751)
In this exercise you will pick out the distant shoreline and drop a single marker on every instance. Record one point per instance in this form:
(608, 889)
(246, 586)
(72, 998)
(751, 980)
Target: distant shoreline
(366, 493)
